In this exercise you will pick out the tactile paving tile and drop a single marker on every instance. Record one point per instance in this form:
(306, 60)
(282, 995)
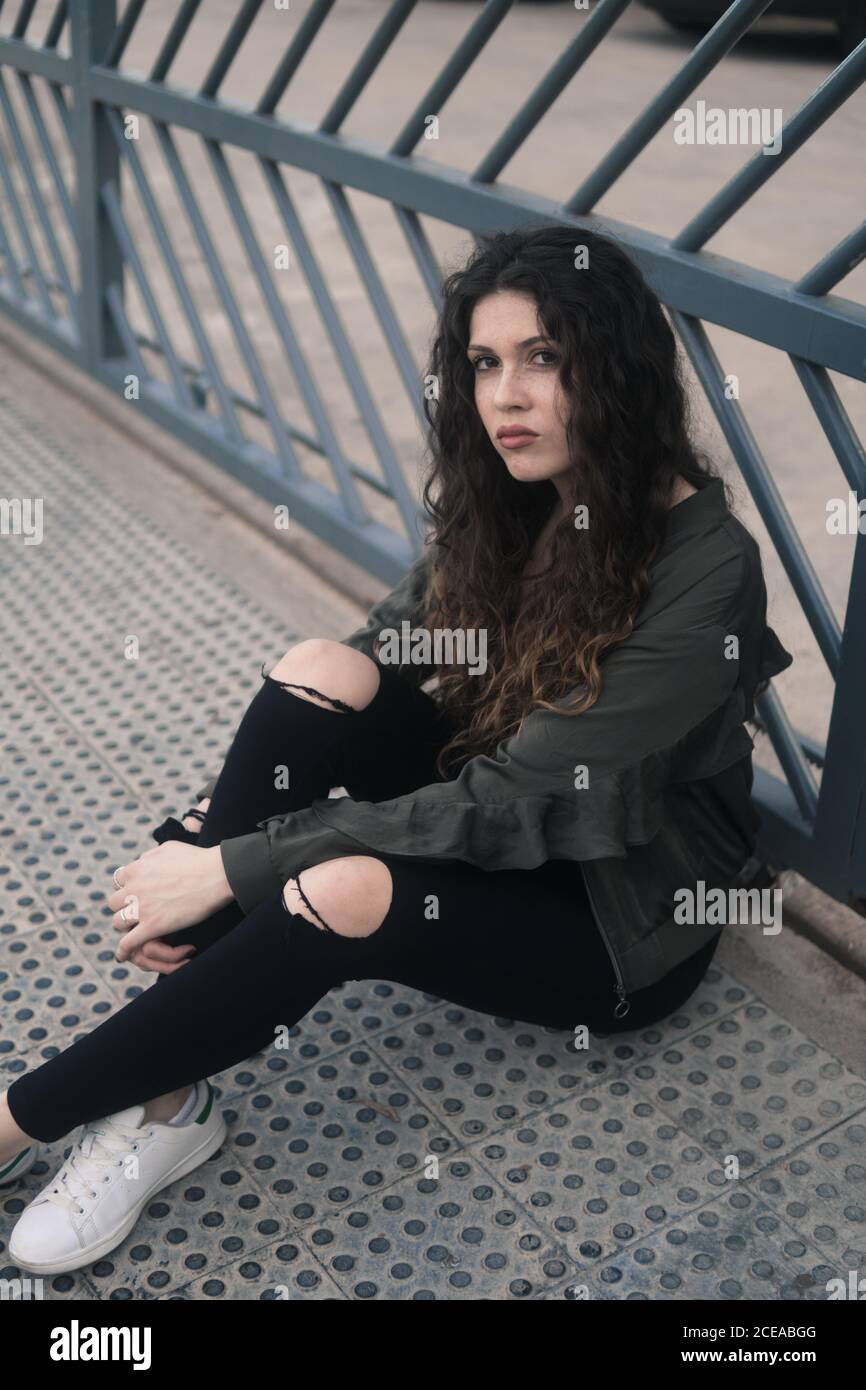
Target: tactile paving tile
(752, 1085)
(601, 1169)
(481, 1072)
(351, 1013)
(327, 1135)
(284, 1272)
(50, 994)
(478, 1073)
(820, 1190)
(734, 1249)
(452, 1236)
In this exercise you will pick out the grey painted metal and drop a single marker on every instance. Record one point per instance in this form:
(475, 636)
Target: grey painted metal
(708, 53)
(97, 166)
(795, 132)
(819, 829)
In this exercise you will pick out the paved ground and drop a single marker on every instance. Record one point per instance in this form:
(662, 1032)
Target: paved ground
(557, 1168)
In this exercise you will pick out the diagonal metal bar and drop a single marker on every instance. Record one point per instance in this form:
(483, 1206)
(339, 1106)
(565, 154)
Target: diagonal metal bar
(118, 313)
(379, 298)
(286, 334)
(123, 33)
(47, 146)
(716, 288)
(8, 255)
(835, 422)
(180, 286)
(767, 497)
(809, 117)
(124, 239)
(36, 199)
(425, 257)
(787, 747)
(554, 82)
(307, 31)
(25, 14)
(55, 28)
(835, 265)
(457, 66)
(64, 115)
(229, 47)
(173, 40)
(709, 52)
(242, 338)
(26, 240)
(377, 46)
(252, 407)
(333, 324)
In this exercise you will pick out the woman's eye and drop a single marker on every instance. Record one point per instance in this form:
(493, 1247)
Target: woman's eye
(540, 352)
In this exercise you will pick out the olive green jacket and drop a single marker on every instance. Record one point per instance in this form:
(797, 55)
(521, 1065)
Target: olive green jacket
(649, 789)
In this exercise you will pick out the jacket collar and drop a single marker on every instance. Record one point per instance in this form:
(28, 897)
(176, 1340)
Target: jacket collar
(700, 512)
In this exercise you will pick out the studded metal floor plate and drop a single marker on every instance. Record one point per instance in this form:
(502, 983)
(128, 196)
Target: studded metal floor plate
(400, 1147)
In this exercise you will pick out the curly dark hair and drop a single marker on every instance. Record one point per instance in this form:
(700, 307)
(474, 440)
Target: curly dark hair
(628, 441)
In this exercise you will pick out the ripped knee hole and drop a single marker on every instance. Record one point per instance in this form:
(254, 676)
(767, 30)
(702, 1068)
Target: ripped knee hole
(352, 880)
(339, 705)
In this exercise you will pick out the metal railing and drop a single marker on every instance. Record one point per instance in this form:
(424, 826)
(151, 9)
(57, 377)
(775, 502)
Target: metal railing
(82, 309)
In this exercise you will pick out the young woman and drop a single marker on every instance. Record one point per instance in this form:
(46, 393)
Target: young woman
(517, 824)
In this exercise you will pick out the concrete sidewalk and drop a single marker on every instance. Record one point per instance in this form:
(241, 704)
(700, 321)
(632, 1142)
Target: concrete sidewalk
(556, 1168)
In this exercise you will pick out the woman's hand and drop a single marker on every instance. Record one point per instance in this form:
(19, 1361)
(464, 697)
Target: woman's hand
(167, 889)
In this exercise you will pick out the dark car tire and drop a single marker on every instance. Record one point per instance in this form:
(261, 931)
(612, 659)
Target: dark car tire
(677, 20)
(852, 29)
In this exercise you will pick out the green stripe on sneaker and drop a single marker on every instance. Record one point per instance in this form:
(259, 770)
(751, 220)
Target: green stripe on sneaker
(208, 1105)
(13, 1163)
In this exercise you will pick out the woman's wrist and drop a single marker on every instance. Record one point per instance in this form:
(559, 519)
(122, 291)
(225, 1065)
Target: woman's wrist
(219, 892)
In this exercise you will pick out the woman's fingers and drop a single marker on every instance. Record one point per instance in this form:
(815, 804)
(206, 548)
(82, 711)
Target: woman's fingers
(158, 956)
(160, 950)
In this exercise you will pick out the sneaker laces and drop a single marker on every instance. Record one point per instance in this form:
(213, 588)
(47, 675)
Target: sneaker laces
(87, 1163)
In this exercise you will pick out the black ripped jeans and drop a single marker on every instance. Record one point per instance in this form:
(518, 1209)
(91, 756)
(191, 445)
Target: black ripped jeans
(519, 944)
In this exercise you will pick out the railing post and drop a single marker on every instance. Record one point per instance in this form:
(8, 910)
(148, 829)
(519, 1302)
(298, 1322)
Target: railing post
(92, 23)
(840, 829)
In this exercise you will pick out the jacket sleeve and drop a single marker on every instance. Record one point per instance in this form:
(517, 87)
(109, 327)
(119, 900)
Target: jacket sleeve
(573, 787)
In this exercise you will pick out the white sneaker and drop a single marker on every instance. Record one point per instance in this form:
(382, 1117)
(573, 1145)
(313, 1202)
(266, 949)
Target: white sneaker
(19, 1165)
(94, 1200)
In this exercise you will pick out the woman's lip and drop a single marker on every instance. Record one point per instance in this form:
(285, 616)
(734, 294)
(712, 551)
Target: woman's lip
(516, 441)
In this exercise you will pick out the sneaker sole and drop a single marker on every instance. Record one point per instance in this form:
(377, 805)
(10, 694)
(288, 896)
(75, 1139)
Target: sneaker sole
(205, 1150)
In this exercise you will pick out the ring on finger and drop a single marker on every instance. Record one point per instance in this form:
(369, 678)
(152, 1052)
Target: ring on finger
(123, 912)
(114, 878)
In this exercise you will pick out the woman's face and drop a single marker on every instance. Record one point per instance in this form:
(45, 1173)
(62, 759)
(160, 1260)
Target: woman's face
(517, 386)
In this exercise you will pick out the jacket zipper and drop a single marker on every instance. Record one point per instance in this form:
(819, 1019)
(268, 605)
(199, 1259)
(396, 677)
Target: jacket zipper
(622, 1007)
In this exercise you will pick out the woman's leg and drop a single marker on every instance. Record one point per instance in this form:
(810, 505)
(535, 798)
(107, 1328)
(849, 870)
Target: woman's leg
(517, 944)
(325, 716)
(329, 716)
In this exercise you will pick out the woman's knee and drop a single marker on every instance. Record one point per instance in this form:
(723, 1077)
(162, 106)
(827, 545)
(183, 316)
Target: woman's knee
(351, 895)
(331, 669)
